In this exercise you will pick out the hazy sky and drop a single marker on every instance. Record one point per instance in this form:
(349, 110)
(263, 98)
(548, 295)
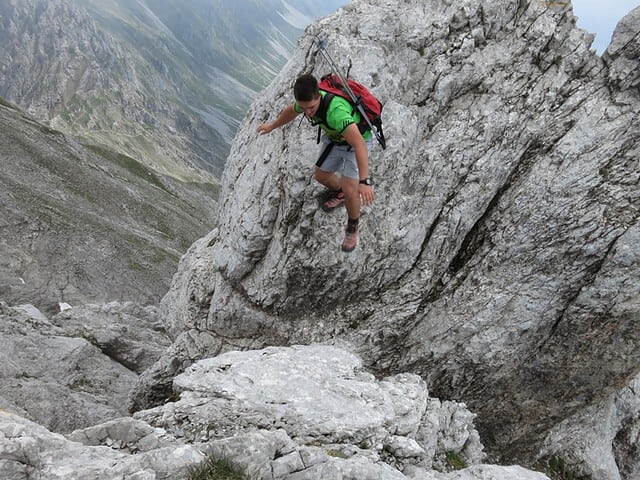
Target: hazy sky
(601, 17)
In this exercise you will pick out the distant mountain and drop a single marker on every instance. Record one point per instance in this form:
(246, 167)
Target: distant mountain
(164, 81)
(85, 224)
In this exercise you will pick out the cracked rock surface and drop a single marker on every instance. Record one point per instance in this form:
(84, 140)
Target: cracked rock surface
(74, 370)
(281, 413)
(500, 261)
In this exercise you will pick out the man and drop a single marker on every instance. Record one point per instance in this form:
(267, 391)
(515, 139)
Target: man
(344, 150)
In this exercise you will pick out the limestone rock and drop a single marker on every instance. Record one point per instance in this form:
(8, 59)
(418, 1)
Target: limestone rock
(500, 260)
(130, 334)
(275, 414)
(491, 472)
(600, 442)
(28, 450)
(319, 395)
(124, 433)
(61, 382)
(622, 53)
(75, 370)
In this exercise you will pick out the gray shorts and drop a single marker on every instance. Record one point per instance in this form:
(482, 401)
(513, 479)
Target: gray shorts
(341, 159)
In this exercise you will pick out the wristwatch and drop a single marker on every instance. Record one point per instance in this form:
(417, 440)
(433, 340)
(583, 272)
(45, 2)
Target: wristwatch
(366, 181)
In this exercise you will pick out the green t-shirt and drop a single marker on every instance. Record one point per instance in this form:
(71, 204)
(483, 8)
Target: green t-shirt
(340, 115)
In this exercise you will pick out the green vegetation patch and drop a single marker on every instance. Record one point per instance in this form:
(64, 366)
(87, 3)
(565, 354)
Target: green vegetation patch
(456, 461)
(77, 111)
(130, 164)
(556, 469)
(215, 468)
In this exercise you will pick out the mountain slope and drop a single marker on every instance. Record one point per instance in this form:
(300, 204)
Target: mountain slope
(165, 82)
(86, 224)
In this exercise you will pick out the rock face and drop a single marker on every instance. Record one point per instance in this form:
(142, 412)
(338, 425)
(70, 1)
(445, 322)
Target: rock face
(601, 441)
(74, 370)
(500, 260)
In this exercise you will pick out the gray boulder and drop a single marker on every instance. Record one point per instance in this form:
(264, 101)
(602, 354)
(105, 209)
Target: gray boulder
(130, 334)
(500, 261)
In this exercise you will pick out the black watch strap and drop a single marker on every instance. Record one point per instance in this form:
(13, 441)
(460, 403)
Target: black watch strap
(366, 181)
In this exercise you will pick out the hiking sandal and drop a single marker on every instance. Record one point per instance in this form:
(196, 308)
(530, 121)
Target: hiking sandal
(335, 200)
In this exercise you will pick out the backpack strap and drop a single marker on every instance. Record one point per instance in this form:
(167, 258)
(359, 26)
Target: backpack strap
(323, 108)
(325, 153)
(363, 126)
(322, 112)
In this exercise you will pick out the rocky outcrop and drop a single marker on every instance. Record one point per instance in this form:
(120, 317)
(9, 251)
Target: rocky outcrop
(320, 396)
(29, 449)
(74, 370)
(61, 382)
(500, 261)
(297, 413)
(129, 334)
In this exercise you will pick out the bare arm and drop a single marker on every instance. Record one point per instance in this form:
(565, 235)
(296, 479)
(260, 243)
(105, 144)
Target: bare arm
(286, 116)
(354, 138)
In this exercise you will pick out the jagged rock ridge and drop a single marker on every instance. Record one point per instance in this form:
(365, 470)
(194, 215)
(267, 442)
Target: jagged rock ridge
(500, 260)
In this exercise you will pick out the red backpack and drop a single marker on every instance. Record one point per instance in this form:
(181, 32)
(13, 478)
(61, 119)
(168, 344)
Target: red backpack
(372, 107)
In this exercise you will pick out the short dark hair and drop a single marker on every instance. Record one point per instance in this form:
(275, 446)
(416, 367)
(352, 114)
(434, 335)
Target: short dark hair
(306, 88)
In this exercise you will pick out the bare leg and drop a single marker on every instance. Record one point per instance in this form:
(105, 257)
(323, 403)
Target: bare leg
(328, 179)
(350, 187)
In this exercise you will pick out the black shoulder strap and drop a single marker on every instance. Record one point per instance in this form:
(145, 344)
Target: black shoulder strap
(323, 108)
(322, 112)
